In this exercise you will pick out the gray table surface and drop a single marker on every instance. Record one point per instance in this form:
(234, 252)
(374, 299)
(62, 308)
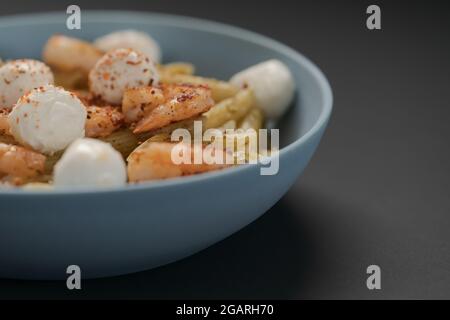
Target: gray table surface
(376, 192)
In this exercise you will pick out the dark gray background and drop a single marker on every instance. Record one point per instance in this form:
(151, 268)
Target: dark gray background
(376, 192)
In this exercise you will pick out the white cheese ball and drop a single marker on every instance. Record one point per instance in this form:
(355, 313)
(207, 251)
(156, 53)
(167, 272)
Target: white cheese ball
(119, 70)
(48, 119)
(273, 86)
(90, 162)
(132, 39)
(18, 77)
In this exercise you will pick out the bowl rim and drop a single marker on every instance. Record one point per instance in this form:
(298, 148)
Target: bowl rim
(105, 16)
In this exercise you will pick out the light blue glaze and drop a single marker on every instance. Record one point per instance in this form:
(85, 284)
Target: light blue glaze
(117, 231)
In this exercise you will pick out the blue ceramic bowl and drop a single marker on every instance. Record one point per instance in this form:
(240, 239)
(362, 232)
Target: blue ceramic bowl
(118, 231)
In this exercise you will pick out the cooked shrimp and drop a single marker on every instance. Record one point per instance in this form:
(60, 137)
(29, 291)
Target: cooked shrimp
(102, 121)
(4, 125)
(157, 107)
(90, 99)
(85, 96)
(70, 54)
(18, 164)
(5, 133)
(138, 102)
(153, 160)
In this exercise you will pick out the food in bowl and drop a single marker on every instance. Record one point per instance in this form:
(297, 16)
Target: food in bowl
(105, 113)
(114, 231)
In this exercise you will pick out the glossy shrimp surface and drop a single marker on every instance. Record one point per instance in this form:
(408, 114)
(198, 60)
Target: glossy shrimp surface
(154, 161)
(102, 121)
(69, 54)
(18, 164)
(155, 107)
(4, 125)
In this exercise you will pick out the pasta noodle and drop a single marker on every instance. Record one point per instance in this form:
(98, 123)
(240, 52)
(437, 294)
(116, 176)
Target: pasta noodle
(234, 108)
(253, 120)
(176, 68)
(123, 141)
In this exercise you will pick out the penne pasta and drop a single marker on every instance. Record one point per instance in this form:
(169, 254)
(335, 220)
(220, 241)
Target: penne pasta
(161, 137)
(176, 68)
(187, 124)
(253, 120)
(228, 125)
(234, 108)
(123, 141)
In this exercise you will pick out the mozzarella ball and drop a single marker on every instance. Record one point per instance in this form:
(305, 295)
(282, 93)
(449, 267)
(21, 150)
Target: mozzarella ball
(48, 119)
(90, 162)
(119, 70)
(18, 77)
(273, 86)
(132, 39)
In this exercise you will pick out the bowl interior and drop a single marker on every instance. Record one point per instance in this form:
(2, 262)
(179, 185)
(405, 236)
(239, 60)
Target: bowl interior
(216, 50)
